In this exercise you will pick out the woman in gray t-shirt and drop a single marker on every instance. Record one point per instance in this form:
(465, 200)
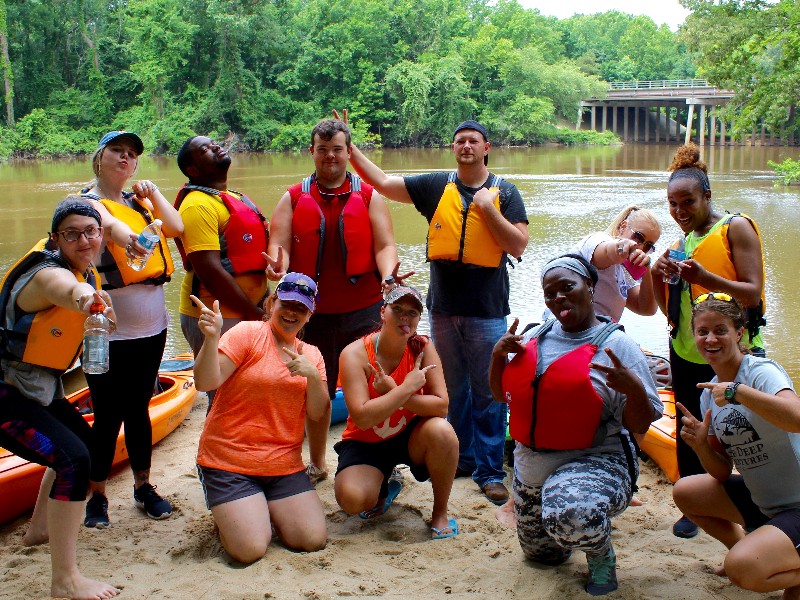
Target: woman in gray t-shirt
(750, 416)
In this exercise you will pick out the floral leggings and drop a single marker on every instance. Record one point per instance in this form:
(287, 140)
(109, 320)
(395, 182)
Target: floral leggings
(573, 508)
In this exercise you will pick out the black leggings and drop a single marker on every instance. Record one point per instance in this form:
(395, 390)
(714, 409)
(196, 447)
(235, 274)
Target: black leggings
(122, 395)
(55, 436)
(685, 377)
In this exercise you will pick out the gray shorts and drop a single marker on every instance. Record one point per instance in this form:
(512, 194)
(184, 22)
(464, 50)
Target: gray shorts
(220, 486)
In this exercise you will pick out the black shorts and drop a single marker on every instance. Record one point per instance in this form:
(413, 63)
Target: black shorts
(384, 456)
(220, 486)
(787, 521)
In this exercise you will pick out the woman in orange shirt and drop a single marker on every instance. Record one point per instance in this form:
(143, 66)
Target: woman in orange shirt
(249, 460)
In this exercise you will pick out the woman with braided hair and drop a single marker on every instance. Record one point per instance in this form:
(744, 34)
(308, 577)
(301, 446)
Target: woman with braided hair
(723, 252)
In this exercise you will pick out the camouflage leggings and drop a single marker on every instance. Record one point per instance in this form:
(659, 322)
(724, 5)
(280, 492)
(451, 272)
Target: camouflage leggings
(573, 509)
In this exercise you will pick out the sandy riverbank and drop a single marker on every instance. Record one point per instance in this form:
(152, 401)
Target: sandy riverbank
(181, 557)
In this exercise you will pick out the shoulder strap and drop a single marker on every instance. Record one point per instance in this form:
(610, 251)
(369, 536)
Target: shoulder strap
(355, 182)
(601, 336)
(543, 329)
(199, 188)
(87, 194)
(451, 178)
(305, 187)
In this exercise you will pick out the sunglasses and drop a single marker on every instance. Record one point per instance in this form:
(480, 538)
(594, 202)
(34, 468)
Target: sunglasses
(73, 235)
(290, 286)
(639, 238)
(713, 296)
(330, 196)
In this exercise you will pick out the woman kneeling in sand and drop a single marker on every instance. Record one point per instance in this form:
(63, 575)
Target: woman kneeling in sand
(397, 401)
(249, 460)
(751, 419)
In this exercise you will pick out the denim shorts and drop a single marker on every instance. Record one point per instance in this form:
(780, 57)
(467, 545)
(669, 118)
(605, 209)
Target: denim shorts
(787, 521)
(220, 486)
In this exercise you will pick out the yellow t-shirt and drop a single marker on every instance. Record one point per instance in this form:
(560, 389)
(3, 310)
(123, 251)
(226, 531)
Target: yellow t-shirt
(204, 219)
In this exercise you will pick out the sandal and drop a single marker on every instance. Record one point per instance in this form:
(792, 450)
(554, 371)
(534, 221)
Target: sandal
(438, 534)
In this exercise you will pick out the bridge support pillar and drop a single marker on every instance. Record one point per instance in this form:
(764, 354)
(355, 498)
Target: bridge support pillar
(658, 122)
(594, 118)
(605, 118)
(625, 123)
(689, 119)
(712, 130)
(614, 120)
(722, 139)
(646, 112)
(701, 126)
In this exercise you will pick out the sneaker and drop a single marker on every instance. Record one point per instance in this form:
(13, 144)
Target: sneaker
(684, 528)
(147, 499)
(97, 512)
(315, 474)
(602, 574)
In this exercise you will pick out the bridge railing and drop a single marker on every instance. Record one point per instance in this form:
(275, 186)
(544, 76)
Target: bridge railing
(658, 84)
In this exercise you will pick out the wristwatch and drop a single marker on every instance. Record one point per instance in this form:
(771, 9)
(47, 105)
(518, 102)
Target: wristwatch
(730, 393)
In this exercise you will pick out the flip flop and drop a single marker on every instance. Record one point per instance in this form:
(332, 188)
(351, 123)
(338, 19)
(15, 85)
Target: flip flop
(451, 525)
(383, 505)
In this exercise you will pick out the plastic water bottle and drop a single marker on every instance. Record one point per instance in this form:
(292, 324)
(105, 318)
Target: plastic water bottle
(149, 240)
(675, 256)
(95, 340)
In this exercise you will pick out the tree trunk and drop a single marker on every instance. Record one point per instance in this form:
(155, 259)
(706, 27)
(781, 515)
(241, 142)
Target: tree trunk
(5, 67)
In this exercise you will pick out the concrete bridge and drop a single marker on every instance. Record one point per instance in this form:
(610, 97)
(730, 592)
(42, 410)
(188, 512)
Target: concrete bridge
(665, 110)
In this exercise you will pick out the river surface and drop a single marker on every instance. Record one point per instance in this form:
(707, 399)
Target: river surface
(568, 192)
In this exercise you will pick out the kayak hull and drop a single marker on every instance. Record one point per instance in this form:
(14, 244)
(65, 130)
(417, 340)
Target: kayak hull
(20, 479)
(659, 440)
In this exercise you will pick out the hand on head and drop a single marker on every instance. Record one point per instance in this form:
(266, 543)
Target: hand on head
(210, 319)
(510, 342)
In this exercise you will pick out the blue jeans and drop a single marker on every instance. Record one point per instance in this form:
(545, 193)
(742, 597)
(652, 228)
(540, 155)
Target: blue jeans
(465, 347)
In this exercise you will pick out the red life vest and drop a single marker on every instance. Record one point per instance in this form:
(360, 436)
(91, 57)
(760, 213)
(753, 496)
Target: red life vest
(558, 409)
(245, 237)
(355, 230)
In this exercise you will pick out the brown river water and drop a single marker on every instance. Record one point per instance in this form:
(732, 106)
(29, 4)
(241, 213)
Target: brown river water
(568, 192)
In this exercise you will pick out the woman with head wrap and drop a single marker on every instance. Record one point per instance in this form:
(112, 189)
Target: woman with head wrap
(576, 386)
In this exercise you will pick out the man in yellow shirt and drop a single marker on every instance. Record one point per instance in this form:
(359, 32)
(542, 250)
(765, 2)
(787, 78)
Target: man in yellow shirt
(218, 267)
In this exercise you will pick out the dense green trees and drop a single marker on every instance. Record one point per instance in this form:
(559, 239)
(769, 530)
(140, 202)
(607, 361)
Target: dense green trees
(753, 48)
(260, 73)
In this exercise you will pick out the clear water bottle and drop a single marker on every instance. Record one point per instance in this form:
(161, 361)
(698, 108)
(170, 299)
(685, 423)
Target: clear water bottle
(95, 340)
(149, 240)
(674, 256)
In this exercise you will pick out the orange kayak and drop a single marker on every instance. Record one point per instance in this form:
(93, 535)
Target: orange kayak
(20, 479)
(659, 441)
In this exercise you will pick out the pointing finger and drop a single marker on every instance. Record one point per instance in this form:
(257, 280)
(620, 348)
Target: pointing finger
(614, 358)
(291, 353)
(601, 368)
(418, 362)
(196, 300)
(427, 368)
(684, 410)
(706, 386)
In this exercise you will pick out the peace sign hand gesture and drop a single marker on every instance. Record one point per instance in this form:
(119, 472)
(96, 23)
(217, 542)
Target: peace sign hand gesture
(382, 382)
(210, 319)
(415, 379)
(299, 365)
(618, 377)
(274, 268)
(510, 343)
(694, 432)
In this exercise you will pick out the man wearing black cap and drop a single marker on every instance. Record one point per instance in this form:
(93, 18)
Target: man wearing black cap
(475, 220)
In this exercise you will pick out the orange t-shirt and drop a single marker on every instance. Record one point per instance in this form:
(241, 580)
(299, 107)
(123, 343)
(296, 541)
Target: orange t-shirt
(257, 420)
(401, 417)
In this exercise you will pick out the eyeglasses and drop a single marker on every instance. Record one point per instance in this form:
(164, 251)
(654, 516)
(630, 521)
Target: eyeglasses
(291, 286)
(713, 296)
(73, 235)
(641, 239)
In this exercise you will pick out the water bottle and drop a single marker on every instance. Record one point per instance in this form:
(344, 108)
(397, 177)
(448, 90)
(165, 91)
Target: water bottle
(149, 240)
(675, 256)
(95, 340)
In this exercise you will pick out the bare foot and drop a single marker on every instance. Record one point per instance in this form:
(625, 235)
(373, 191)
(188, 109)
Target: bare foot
(792, 593)
(505, 515)
(79, 587)
(635, 501)
(720, 571)
(35, 536)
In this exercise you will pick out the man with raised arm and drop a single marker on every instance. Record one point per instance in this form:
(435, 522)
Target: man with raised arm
(475, 220)
(223, 243)
(333, 227)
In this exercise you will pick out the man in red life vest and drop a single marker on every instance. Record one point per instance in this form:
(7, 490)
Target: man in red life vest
(334, 227)
(222, 243)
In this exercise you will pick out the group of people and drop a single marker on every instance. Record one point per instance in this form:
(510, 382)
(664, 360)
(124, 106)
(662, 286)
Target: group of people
(278, 313)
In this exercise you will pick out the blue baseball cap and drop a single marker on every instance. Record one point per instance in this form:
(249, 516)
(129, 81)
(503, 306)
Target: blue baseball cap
(298, 287)
(112, 135)
(475, 126)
